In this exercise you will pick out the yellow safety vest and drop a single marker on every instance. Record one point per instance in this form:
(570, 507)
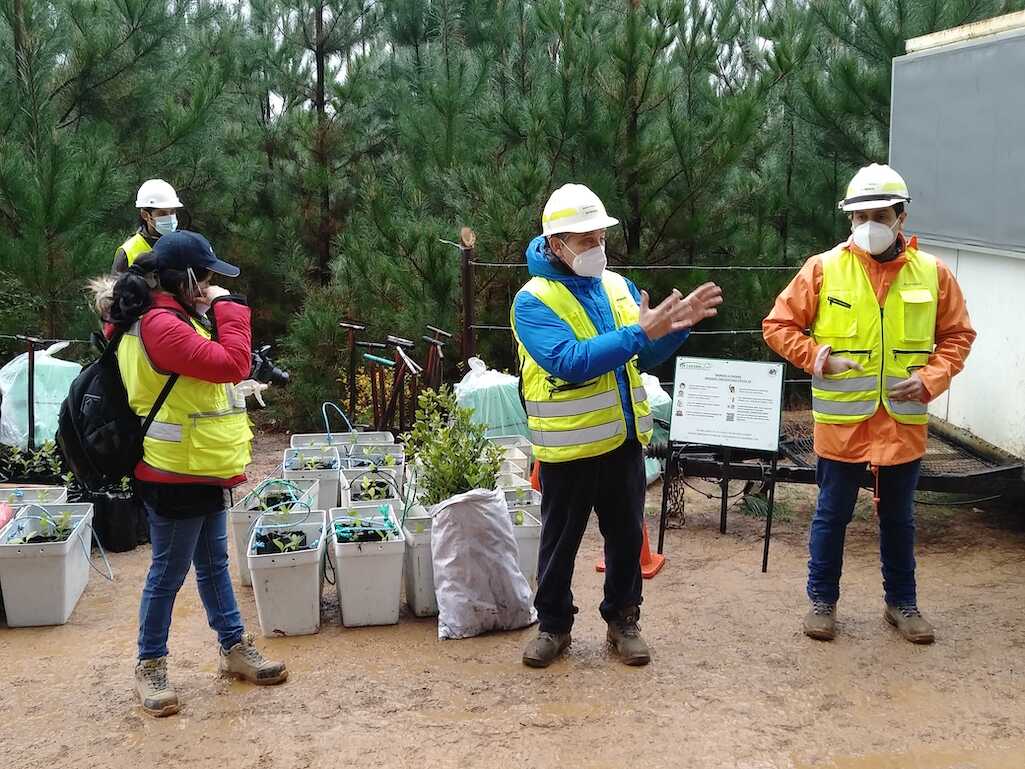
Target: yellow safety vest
(890, 342)
(569, 420)
(135, 247)
(201, 430)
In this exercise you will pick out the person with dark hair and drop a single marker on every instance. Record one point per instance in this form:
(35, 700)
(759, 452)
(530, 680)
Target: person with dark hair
(889, 330)
(158, 206)
(197, 447)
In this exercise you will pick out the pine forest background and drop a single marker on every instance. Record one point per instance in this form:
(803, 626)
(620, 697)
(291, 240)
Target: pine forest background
(328, 147)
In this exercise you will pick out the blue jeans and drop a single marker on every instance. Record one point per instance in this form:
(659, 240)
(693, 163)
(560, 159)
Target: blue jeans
(178, 543)
(838, 491)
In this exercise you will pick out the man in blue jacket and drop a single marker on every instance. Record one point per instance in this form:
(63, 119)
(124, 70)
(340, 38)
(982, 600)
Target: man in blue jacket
(584, 335)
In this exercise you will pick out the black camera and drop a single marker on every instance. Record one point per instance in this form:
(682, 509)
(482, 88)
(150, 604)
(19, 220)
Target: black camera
(264, 369)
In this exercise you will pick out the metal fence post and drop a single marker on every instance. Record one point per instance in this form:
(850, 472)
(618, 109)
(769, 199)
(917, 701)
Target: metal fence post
(468, 252)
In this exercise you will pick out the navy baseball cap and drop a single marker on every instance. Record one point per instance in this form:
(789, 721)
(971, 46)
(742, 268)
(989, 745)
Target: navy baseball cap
(182, 249)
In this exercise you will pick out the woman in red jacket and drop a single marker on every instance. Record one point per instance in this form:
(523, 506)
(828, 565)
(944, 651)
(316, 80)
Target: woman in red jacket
(175, 322)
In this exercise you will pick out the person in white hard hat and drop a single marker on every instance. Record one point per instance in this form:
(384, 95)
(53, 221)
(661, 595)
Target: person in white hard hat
(158, 206)
(584, 335)
(889, 330)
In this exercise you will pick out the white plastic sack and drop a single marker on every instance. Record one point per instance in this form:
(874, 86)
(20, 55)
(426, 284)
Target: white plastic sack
(53, 378)
(477, 576)
(661, 406)
(494, 398)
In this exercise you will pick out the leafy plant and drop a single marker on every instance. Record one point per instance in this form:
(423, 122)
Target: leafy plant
(352, 528)
(289, 542)
(453, 452)
(373, 486)
(51, 530)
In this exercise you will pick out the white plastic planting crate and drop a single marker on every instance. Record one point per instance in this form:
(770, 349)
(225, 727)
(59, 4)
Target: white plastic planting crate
(287, 585)
(509, 467)
(518, 459)
(418, 572)
(40, 495)
(368, 576)
(243, 515)
(42, 583)
(342, 440)
(527, 500)
(508, 481)
(517, 442)
(527, 529)
(332, 491)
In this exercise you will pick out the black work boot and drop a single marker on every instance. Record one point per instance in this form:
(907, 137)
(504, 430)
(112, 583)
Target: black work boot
(545, 649)
(625, 636)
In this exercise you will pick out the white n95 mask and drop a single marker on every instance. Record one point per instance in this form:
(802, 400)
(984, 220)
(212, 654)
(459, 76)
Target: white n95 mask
(874, 237)
(590, 263)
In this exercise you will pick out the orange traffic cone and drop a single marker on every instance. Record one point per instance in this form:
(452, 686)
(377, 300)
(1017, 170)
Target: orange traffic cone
(651, 563)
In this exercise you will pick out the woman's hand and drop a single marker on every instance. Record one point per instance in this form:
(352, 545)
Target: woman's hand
(214, 292)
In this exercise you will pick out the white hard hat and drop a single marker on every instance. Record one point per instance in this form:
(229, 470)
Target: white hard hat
(875, 186)
(574, 208)
(156, 193)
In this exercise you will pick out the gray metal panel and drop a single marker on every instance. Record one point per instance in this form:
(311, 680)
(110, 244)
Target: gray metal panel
(957, 135)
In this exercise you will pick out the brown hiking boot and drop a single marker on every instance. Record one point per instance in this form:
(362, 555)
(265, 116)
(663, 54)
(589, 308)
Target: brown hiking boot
(157, 696)
(545, 649)
(244, 661)
(625, 636)
(910, 623)
(820, 621)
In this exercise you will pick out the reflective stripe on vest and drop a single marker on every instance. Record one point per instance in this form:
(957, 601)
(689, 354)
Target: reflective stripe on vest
(198, 431)
(569, 420)
(135, 247)
(889, 343)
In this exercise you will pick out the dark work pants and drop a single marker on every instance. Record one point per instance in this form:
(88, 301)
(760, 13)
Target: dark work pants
(613, 485)
(838, 492)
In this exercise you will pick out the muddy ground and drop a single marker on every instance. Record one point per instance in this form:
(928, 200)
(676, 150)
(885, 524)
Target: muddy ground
(733, 683)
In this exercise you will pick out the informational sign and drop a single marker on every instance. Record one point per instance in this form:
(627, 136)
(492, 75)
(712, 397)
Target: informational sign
(731, 403)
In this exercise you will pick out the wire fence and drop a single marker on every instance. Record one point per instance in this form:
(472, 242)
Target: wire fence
(469, 264)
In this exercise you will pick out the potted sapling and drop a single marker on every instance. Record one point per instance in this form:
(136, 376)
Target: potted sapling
(477, 579)
(285, 553)
(44, 563)
(379, 460)
(270, 495)
(322, 464)
(368, 546)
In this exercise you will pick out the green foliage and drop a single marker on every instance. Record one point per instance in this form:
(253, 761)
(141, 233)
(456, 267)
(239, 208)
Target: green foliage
(452, 453)
(329, 146)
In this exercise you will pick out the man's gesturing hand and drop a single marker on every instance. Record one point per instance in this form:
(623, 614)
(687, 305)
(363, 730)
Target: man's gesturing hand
(676, 313)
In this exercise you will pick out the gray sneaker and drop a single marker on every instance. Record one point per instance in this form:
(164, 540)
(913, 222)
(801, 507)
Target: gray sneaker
(157, 696)
(243, 660)
(545, 649)
(625, 636)
(910, 623)
(820, 621)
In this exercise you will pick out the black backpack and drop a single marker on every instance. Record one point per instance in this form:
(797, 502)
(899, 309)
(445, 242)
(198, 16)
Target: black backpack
(98, 433)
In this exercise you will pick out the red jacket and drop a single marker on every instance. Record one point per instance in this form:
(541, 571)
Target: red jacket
(175, 346)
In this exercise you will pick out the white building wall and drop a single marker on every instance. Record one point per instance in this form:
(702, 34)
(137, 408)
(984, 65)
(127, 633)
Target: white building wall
(988, 397)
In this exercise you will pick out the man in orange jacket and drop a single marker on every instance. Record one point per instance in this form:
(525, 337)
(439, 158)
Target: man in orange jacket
(889, 330)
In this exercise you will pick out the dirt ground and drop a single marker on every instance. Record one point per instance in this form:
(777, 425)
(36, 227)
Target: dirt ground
(733, 682)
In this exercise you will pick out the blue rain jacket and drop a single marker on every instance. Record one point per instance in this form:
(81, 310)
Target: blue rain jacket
(554, 346)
